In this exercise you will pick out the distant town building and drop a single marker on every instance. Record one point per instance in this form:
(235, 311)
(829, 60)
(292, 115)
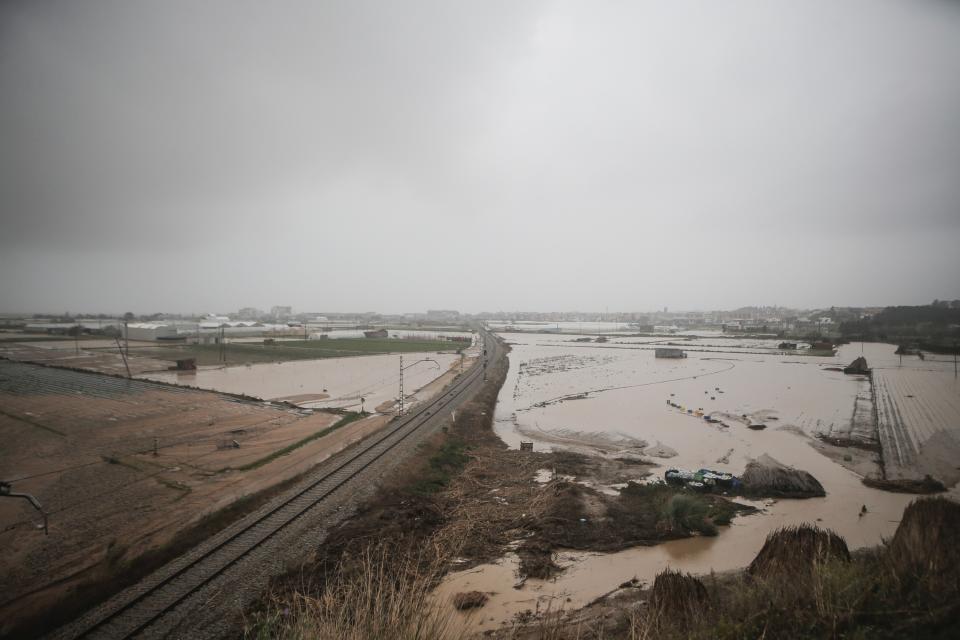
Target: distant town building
(665, 328)
(281, 313)
(442, 315)
(150, 331)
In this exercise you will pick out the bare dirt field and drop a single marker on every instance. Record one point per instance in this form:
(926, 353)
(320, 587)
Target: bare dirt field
(94, 355)
(84, 445)
(917, 421)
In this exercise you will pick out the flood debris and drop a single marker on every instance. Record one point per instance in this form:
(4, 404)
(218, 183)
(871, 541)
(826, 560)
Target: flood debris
(469, 600)
(702, 480)
(536, 560)
(767, 477)
(858, 366)
(795, 550)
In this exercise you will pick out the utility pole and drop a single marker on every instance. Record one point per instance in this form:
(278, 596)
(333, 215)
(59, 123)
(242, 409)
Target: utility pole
(123, 355)
(400, 411)
(223, 344)
(400, 405)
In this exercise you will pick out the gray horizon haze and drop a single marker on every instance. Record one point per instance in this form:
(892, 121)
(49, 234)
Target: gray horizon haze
(482, 156)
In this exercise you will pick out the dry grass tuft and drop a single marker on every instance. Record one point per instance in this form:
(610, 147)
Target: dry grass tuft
(793, 550)
(677, 594)
(380, 595)
(925, 544)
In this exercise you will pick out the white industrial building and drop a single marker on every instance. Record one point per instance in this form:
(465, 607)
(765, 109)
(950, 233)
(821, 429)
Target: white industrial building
(149, 331)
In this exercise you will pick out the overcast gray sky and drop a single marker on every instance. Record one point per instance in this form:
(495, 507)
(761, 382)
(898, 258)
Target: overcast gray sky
(394, 156)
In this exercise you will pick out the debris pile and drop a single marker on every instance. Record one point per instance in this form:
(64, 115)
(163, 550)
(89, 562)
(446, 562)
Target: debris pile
(469, 600)
(858, 366)
(768, 477)
(703, 480)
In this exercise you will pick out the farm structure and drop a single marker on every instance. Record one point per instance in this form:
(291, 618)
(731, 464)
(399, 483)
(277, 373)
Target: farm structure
(667, 352)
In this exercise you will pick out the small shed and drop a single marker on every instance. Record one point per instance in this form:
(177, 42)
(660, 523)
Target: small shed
(668, 352)
(186, 364)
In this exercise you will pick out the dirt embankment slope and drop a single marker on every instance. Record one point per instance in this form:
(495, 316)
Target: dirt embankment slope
(132, 473)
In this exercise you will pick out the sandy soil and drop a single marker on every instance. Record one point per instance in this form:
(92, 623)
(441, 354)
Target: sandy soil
(62, 354)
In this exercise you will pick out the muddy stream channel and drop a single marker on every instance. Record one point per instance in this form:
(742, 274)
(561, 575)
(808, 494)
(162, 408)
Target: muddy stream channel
(611, 398)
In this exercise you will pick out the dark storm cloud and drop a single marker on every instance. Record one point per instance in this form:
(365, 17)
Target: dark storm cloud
(119, 112)
(373, 155)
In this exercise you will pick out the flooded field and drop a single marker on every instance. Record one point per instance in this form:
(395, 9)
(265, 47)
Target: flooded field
(565, 326)
(330, 382)
(614, 399)
(339, 334)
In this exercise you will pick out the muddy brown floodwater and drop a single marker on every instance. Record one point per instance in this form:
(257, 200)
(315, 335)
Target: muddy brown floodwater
(305, 382)
(611, 399)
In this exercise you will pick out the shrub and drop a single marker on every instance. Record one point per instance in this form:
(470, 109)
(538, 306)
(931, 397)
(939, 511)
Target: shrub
(689, 512)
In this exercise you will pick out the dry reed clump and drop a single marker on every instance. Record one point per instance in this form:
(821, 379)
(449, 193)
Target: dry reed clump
(677, 594)
(925, 545)
(469, 600)
(768, 477)
(792, 551)
(383, 595)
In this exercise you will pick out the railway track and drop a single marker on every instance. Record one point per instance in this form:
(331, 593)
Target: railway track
(133, 612)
